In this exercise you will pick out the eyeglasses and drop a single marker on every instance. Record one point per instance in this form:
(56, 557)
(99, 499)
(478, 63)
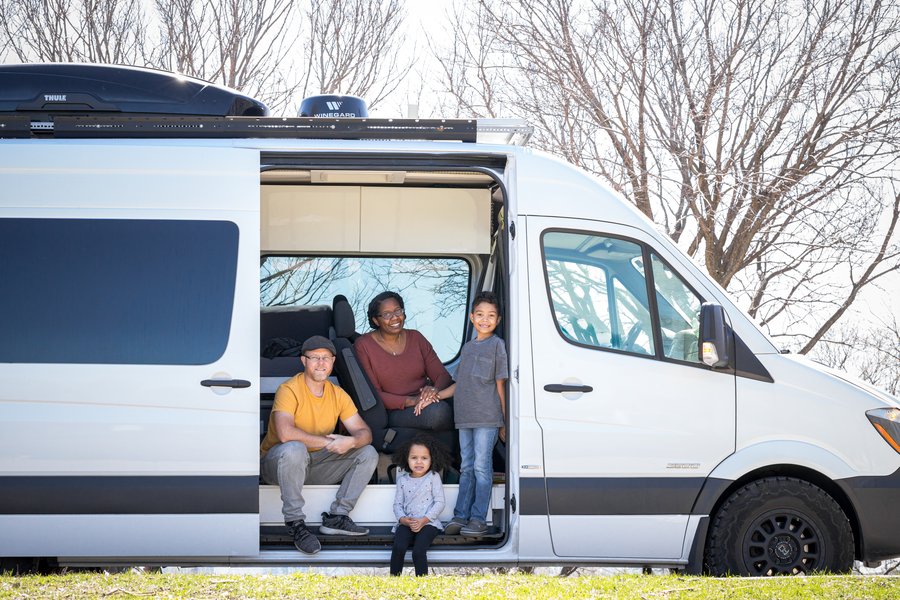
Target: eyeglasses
(324, 359)
(390, 315)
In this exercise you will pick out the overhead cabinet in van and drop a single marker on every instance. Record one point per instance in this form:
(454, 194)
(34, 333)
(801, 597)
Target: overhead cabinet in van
(158, 263)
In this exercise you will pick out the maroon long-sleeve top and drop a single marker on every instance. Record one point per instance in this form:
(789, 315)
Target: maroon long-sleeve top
(397, 377)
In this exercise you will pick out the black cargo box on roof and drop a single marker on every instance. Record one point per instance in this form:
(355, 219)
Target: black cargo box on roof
(42, 91)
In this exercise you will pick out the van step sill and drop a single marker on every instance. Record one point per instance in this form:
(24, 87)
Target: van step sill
(378, 536)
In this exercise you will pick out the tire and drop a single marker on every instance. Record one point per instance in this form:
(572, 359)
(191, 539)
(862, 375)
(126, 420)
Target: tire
(779, 526)
(26, 566)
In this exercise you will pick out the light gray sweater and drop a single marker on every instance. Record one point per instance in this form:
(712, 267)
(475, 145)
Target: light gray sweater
(418, 497)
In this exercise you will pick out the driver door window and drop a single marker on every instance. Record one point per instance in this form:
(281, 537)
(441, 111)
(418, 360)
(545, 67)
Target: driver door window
(599, 297)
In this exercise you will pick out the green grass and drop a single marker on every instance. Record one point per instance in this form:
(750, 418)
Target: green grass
(457, 587)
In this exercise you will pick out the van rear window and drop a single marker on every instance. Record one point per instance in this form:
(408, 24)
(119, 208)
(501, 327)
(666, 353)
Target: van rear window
(434, 290)
(116, 291)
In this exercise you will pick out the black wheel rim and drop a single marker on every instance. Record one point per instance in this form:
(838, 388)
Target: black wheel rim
(782, 542)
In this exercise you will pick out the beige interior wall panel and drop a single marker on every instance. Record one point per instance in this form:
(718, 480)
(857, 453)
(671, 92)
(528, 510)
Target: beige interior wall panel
(310, 219)
(423, 220)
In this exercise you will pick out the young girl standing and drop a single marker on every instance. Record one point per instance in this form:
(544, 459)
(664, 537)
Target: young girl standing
(418, 501)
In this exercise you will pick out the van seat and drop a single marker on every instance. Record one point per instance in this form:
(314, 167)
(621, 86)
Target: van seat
(293, 322)
(352, 377)
(684, 345)
(288, 324)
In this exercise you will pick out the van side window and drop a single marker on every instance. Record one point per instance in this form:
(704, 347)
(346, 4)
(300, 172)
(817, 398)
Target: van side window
(434, 290)
(679, 312)
(599, 297)
(116, 291)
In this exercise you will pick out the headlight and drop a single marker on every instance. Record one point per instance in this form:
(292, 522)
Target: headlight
(887, 422)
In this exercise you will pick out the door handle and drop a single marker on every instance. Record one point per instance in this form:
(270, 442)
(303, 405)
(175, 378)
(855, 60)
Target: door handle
(232, 383)
(559, 388)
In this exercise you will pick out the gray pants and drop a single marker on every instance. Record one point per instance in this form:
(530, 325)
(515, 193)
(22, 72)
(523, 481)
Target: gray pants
(291, 465)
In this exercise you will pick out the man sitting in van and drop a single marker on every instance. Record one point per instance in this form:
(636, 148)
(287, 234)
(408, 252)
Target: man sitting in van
(301, 447)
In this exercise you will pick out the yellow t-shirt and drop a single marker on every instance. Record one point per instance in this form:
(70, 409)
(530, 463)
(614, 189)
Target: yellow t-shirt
(317, 416)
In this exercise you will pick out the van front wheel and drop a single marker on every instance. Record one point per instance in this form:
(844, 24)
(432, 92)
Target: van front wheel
(779, 526)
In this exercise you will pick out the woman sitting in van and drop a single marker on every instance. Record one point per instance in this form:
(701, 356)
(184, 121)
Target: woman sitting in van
(403, 367)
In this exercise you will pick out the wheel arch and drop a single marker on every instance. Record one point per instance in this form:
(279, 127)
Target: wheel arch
(716, 491)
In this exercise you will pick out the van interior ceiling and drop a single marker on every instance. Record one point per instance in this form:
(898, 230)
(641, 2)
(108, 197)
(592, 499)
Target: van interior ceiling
(332, 238)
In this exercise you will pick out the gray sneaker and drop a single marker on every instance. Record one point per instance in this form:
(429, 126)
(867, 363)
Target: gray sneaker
(304, 540)
(474, 528)
(340, 525)
(454, 526)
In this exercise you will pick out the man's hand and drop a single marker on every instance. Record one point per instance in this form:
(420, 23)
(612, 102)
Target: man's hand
(340, 444)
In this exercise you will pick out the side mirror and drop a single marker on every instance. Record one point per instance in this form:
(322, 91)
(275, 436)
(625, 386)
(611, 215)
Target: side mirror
(714, 346)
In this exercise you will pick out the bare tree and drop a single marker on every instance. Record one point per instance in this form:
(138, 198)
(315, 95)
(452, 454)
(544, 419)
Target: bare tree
(472, 82)
(243, 44)
(355, 47)
(872, 352)
(870, 258)
(760, 135)
(299, 280)
(103, 31)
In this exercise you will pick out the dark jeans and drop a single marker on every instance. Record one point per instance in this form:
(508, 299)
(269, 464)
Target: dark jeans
(420, 542)
(434, 417)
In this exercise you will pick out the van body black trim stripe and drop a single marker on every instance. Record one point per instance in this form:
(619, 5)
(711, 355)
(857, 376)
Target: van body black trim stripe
(95, 495)
(875, 498)
(532, 496)
(712, 491)
(610, 495)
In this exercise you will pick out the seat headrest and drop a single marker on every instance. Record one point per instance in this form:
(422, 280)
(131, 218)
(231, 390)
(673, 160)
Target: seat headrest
(344, 321)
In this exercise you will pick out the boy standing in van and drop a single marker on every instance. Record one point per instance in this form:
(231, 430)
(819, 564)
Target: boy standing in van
(479, 409)
(301, 447)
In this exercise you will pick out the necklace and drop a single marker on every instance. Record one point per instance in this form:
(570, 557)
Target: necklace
(386, 346)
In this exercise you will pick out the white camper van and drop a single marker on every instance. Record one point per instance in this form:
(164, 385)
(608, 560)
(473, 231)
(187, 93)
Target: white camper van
(160, 236)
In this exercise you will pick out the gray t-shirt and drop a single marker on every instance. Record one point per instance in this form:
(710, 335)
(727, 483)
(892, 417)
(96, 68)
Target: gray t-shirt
(475, 401)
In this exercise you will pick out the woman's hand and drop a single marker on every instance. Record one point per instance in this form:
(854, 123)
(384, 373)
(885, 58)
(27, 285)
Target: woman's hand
(427, 395)
(429, 392)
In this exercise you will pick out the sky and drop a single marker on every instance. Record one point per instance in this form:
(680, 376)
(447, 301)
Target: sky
(428, 21)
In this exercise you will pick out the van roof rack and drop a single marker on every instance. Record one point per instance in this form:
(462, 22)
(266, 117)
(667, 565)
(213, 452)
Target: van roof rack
(84, 101)
(491, 131)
